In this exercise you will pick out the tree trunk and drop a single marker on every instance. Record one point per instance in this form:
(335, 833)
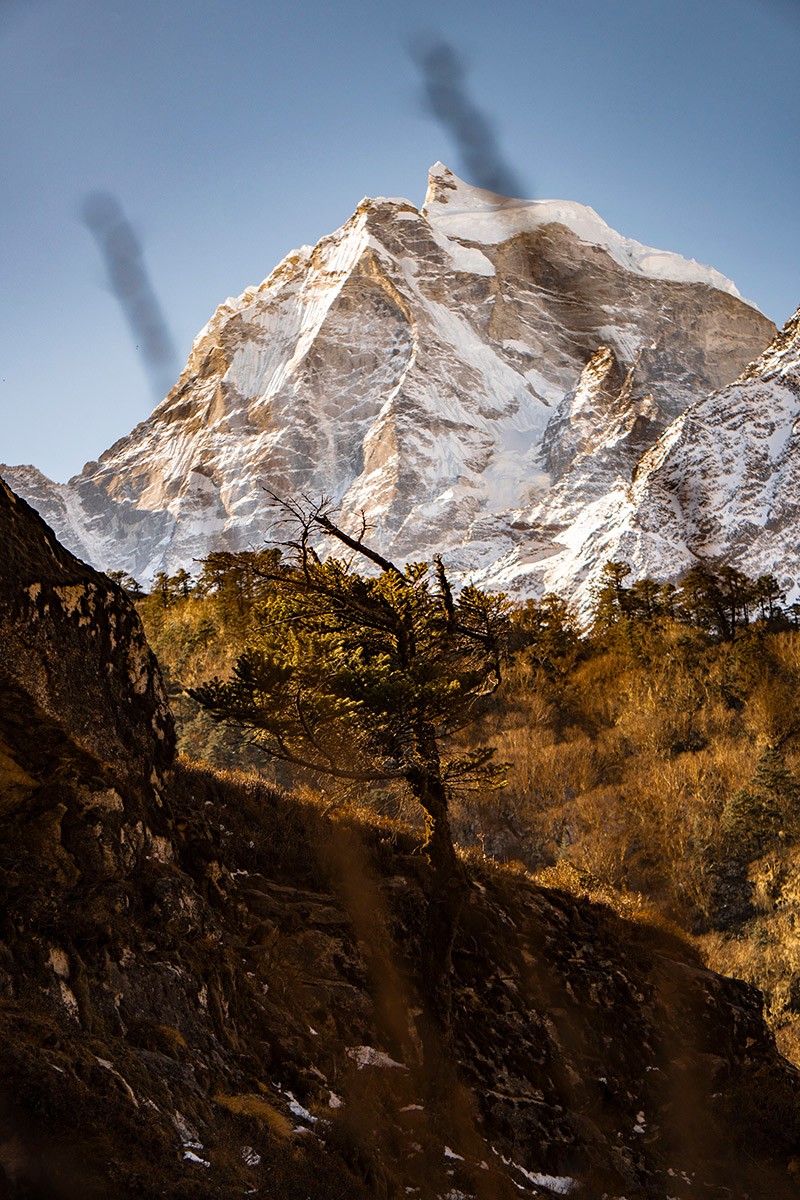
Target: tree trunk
(448, 889)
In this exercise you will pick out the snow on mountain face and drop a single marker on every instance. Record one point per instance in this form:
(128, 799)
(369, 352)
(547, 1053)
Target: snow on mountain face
(722, 484)
(477, 376)
(476, 215)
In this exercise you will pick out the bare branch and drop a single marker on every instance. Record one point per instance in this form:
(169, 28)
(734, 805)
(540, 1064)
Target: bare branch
(308, 513)
(356, 544)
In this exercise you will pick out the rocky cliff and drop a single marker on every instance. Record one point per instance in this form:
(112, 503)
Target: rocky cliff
(722, 484)
(208, 989)
(81, 690)
(475, 375)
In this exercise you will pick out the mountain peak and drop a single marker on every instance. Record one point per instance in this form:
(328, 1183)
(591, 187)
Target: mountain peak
(474, 214)
(782, 356)
(447, 191)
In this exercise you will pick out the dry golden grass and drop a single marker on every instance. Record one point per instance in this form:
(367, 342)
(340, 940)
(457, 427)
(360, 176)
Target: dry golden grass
(260, 1109)
(577, 881)
(623, 763)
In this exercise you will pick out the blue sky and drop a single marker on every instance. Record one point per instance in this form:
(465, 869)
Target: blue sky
(233, 130)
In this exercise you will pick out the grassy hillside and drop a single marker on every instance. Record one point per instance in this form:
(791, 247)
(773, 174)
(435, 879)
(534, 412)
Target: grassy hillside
(657, 750)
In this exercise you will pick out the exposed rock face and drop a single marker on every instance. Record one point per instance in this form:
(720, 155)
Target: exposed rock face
(436, 368)
(208, 990)
(733, 468)
(79, 682)
(721, 484)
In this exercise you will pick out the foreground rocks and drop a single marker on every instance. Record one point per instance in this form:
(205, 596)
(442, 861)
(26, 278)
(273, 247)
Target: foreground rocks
(82, 694)
(208, 989)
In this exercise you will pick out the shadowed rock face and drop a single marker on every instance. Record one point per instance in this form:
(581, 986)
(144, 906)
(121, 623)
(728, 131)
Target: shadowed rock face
(208, 989)
(76, 672)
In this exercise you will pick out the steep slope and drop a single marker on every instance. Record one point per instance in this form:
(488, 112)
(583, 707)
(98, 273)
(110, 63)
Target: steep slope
(209, 990)
(721, 484)
(75, 663)
(408, 366)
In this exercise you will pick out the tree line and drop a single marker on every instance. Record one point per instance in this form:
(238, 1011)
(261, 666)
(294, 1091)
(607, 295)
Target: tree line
(720, 600)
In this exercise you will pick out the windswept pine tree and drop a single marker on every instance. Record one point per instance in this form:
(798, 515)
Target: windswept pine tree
(367, 678)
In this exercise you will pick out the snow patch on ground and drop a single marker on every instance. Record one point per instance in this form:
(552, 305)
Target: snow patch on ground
(297, 1110)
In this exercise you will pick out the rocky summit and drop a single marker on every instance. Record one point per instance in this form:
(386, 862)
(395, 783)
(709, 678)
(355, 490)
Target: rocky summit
(209, 989)
(480, 377)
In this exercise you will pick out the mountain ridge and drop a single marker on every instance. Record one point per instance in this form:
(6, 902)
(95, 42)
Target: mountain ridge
(722, 484)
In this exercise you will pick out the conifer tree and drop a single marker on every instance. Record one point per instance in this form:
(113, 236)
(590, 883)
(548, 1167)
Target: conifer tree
(181, 583)
(547, 630)
(238, 579)
(127, 583)
(769, 595)
(645, 599)
(366, 677)
(766, 810)
(611, 598)
(702, 602)
(162, 587)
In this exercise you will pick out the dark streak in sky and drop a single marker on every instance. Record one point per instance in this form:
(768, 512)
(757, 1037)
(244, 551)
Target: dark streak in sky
(127, 274)
(447, 99)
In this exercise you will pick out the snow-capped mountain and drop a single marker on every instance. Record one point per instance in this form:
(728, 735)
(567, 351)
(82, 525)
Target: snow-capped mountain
(479, 376)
